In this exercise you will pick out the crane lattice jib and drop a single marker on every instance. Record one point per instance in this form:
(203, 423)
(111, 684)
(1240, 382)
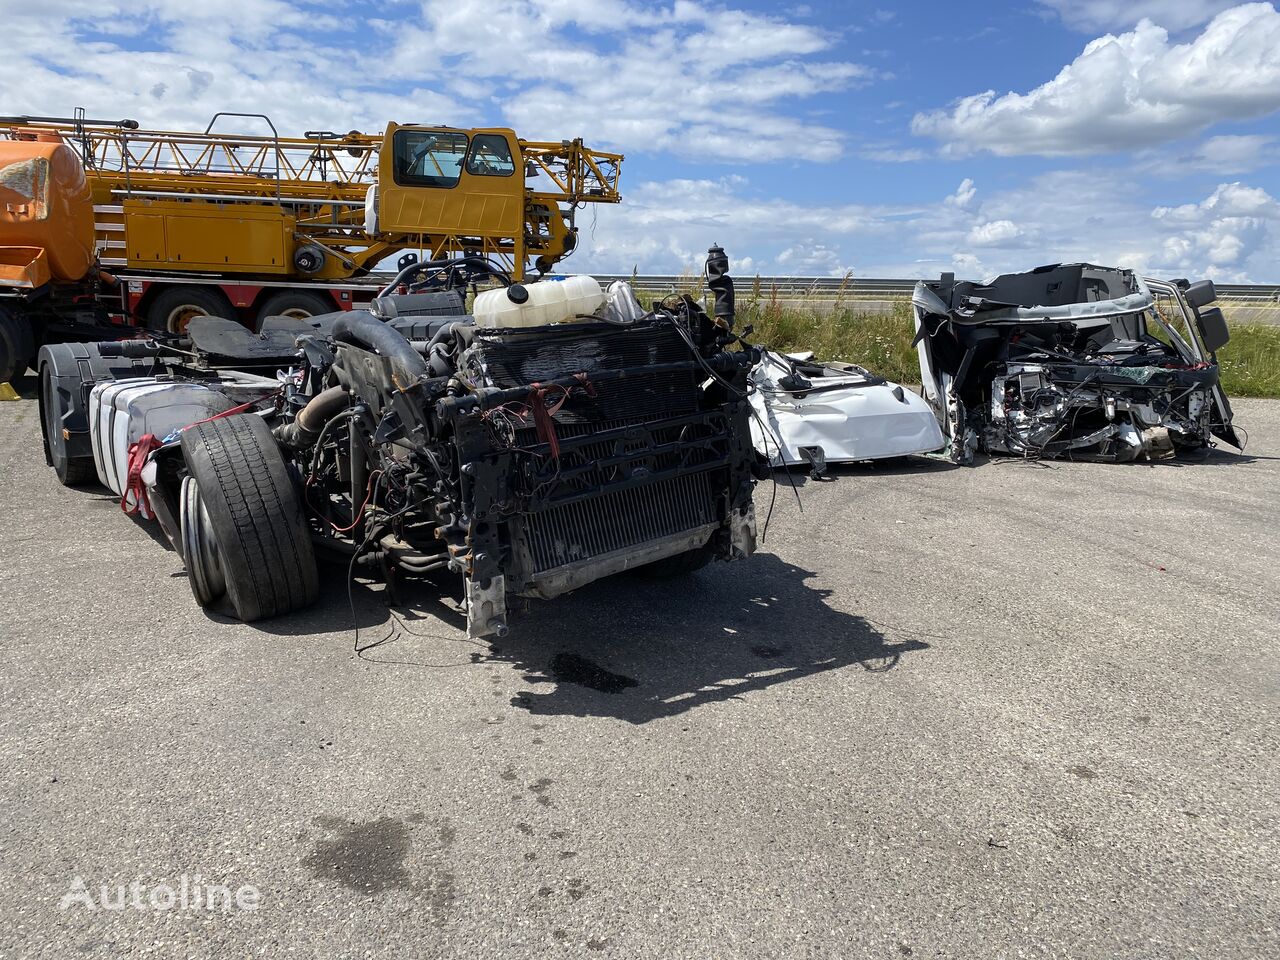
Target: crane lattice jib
(579, 174)
(321, 167)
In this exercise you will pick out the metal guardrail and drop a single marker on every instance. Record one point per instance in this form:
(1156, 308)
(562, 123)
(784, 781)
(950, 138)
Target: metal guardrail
(858, 288)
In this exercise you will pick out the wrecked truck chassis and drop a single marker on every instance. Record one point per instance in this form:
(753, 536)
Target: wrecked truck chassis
(528, 461)
(1061, 361)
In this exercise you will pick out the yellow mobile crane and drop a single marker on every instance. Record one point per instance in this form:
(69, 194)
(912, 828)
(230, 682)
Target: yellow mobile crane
(101, 221)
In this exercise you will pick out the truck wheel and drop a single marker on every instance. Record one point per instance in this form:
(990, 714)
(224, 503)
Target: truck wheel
(299, 304)
(71, 471)
(243, 532)
(17, 345)
(175, 307)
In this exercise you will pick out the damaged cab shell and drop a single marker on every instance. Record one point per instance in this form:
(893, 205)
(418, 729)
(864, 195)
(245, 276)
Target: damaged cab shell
(1072, 360)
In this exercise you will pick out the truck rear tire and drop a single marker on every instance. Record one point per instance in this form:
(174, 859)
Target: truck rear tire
(71, 471)
(175, 307)
(299, 304)
(17, 345)
(242, 527)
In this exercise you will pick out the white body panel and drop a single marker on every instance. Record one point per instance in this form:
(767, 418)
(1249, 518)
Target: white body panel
(848, 419)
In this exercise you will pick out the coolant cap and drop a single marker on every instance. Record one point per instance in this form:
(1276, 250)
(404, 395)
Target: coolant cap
(516, 293)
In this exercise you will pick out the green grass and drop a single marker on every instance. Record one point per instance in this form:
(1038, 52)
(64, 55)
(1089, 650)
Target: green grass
(879, 342)
(1250, 363)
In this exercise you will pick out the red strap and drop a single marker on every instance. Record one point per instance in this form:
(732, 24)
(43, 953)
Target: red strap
(542, 414)
(139, 450)
(225, 413)
(542, 417)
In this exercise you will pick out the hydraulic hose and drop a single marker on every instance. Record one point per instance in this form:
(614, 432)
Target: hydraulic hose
(365, 330)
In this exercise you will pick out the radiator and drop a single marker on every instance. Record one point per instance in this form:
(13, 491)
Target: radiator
(617, 520)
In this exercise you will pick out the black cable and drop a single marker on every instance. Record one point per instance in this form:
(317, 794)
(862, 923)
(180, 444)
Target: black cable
(764, 429)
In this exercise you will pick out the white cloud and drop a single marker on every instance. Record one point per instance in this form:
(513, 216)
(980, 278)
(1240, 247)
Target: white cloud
(892, 154)
(963, 196)
(1236, 153)
(1061, 216)
(811, 258)
(1128, 91)
(995, 233)
(1228, 200)
(173, 64)
(1090, 15)
(708, 83)
(1217, 236)
(665, 226)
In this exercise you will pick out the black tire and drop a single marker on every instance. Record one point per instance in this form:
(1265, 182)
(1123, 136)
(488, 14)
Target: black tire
(71, 471)
(681, 565)
(300, 304)
(248, 502)
(174, 307)
(17, 345)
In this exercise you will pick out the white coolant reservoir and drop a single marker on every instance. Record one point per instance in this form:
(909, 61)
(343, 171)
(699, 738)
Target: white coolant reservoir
(553, 300)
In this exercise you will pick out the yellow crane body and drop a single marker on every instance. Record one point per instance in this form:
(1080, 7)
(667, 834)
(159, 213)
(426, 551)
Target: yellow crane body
(324, 206)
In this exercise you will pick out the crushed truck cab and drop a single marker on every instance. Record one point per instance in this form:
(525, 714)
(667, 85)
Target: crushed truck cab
(1073, 360)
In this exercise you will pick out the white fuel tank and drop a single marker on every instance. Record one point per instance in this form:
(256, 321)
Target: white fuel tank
(552, 300)
(121, 412)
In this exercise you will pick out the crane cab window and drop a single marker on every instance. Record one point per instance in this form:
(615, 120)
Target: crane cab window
(490, 156)
(428, 158)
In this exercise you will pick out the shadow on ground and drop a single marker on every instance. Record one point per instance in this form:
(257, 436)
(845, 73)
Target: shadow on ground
(622, 647)
(640, 651)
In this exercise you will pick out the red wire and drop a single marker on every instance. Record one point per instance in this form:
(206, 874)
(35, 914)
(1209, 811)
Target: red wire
(360, 512)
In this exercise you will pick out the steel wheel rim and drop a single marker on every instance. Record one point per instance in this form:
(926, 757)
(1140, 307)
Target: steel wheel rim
(200, 546)
(182, 315)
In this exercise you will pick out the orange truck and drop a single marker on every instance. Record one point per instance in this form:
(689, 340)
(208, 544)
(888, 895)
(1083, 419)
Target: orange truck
(106, 228)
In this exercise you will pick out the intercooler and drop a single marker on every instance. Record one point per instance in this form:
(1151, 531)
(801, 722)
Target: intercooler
(617, 520)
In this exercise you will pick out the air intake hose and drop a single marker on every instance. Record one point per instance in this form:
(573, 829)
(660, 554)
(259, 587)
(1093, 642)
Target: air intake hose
(305, 428)
(365, 330)
(721, 284)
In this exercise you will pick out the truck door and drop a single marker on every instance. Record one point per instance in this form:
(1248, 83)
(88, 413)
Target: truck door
(443, 183)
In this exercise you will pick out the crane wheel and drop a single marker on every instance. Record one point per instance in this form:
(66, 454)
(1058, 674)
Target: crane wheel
(299, 304)
(175, 307)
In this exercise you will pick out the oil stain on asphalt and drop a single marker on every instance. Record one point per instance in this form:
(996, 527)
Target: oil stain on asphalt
(373, 858)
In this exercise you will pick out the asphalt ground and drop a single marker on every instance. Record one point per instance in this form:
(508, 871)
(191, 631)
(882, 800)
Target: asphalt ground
(1015, 710)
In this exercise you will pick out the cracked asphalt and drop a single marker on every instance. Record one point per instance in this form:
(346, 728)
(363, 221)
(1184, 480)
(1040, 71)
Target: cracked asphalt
(1016, 710)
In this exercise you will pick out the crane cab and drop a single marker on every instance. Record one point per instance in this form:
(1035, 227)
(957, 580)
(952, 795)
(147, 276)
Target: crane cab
(448, 183)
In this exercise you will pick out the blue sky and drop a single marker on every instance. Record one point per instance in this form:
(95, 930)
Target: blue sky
(890, 140)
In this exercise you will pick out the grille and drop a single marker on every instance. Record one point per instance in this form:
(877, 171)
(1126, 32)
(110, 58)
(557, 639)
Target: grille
(516, 358)
(617, 520)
